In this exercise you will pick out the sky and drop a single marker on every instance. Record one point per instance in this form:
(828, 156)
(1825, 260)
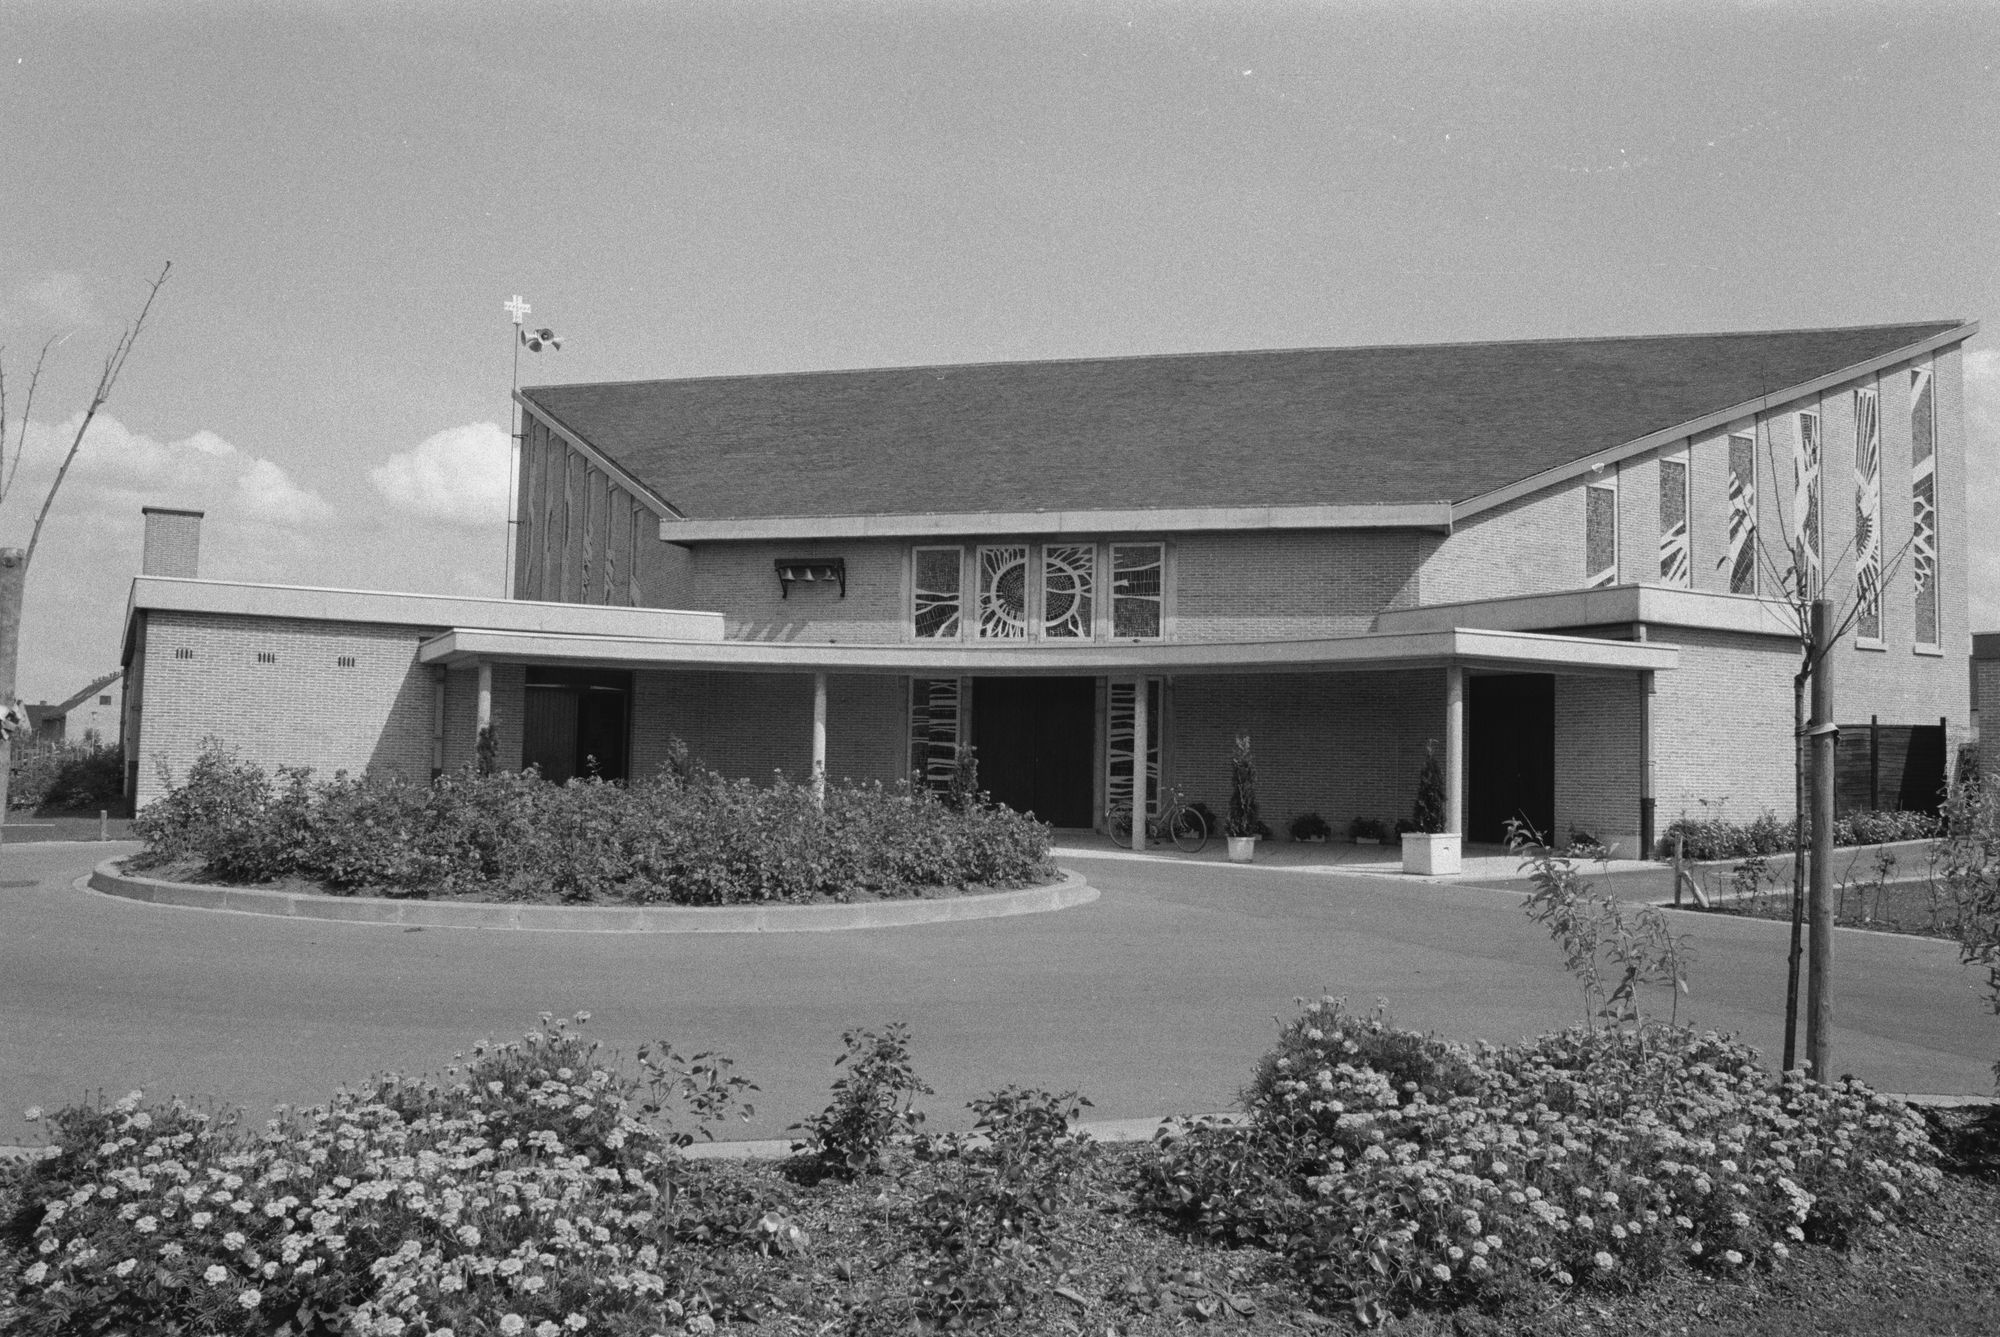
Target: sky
(349, 192)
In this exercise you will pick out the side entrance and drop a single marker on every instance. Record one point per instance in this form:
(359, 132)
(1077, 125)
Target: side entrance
(1510, 754)
(1036, 741)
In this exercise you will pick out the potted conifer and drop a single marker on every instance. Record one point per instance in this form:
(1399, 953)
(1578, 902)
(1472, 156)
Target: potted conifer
(1243, 826)
(1429, 848)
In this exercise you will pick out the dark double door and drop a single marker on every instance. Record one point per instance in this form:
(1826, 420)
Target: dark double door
(1036, 742)
(1510, 754)
(576, 723)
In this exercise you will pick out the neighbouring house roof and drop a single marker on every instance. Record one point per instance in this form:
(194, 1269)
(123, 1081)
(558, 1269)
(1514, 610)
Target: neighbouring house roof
(1341, 427)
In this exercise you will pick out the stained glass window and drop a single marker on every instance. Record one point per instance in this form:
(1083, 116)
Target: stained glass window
(1069, 583)
(1676, 567)
(1805, 505)
(936, 593)
(1118, 746)
(1137, 570)
(1867, 517)
(1003, 593)
(1923, 500)
(934, 731)
(1600, 535)
(1740, 559)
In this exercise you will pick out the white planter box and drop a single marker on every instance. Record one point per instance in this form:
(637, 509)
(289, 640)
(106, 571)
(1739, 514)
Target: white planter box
(1242, 849)
(1436, 855)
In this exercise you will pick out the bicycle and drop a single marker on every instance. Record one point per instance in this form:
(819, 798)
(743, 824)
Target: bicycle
(1177, 822)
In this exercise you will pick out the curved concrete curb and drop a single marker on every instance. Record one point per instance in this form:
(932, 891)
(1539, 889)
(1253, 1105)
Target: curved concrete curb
(1071, 890)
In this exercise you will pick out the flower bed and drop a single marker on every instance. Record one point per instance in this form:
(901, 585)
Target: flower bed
(685, 837)
(540, 1188)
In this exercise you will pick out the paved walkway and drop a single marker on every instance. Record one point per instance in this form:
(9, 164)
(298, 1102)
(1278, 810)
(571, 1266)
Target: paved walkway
(1156, 999)
(1480, 864)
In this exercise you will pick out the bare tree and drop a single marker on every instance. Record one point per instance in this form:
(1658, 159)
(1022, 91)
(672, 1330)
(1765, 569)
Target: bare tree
(14, 562)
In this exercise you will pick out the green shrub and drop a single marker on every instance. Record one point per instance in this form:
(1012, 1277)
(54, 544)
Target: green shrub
(1588, 1158)
(67, 776)
(1713, 838)
(873, 1103)
(687, 836)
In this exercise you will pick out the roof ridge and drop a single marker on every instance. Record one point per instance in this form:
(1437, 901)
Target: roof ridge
(1944, 324)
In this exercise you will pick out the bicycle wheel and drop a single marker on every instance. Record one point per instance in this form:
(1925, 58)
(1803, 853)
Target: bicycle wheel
(1188, 830)
(1118, 825)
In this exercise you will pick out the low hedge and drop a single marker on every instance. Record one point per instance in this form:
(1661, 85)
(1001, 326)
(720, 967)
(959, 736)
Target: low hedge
(687, 836)
(86, 776)
(1709, 838)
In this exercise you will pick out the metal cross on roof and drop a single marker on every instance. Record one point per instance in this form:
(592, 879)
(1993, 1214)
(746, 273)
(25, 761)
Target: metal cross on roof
(517, 308)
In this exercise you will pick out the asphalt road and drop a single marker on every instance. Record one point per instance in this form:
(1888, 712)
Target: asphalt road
(1155, 999)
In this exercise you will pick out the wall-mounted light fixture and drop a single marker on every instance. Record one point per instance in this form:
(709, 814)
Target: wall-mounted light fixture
(810, 570)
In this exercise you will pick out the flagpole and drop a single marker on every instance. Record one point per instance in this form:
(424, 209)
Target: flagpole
(517, 309)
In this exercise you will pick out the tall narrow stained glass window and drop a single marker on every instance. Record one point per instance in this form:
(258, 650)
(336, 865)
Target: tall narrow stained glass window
(1137, 579)
(1069, 588)
(934, 731)
(1867, 517)
(1923, 503)
(1805, 536)
(935, 597)
(1740, 557)
(1676, 566)
(1118, 746)
(1600, 535)
(1003, 593)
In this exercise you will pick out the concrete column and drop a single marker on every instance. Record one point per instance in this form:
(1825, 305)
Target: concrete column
(1454, 749)
(1140, 729)
(484, 745)
(485, 696)
(1646, 790)
(819, 738)
(437, 722)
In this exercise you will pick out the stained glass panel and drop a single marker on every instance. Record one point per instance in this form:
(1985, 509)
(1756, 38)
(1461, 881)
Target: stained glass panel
(934, 731)
(1069, 582)
(1137, 570)
(1118, 746)
(1675, 566)
(1805, 504)
(936, 593)
(1867, 517)
(1923, 497)
(1600, 536)
(1741, 557)
(1003, 593)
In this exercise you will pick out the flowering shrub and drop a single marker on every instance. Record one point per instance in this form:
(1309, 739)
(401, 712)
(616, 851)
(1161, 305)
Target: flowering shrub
(687, 836)
(536, 1190)
(1588, 1158)
(873, 1103)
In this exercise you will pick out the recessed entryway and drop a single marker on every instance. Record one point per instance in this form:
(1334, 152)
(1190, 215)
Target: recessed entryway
(1510, 754)
(1036, 739)
(576, 722)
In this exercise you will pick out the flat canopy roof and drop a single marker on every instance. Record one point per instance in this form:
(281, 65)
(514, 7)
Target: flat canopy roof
(1461, 645)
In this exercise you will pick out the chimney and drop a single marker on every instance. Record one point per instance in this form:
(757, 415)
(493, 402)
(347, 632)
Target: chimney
(173, 542)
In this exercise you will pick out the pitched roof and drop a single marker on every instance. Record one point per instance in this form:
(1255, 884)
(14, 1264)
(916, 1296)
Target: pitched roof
(1327, 426)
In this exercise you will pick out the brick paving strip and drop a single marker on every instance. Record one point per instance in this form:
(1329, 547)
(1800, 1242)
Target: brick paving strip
(1070, 890)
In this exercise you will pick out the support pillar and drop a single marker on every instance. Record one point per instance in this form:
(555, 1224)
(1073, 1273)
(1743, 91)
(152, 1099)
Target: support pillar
(1646, 792)
(1140, 731)
(1454, 749)
(484, 746)
(437, 722)
(819, 740)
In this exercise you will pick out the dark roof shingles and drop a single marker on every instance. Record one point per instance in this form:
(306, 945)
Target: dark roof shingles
(1303, 427)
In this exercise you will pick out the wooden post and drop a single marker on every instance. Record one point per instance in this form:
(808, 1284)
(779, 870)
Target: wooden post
(13, 574)
(1454, 749)
(1140, 730)
(819, 741)
(1819, 962)
(1679, 841)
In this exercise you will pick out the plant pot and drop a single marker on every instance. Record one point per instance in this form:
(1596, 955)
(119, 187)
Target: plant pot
(1242, 849)
(1435, 854)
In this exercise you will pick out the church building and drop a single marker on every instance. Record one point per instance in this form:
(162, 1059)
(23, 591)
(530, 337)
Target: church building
(1566, 565)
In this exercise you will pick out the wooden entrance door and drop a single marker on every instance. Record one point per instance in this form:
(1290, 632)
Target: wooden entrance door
(1510, 754)
(1034, 738)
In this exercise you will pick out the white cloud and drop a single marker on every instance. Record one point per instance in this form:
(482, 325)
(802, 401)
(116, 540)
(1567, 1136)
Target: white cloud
(459, 476)
(63, 297)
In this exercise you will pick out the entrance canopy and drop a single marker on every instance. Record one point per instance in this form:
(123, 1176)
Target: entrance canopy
(1465, 646)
